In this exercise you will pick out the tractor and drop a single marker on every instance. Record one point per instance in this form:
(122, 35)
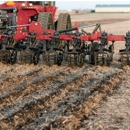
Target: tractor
(30, 33)
(19, 39)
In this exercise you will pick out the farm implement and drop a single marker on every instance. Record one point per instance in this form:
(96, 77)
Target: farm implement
(30, 33)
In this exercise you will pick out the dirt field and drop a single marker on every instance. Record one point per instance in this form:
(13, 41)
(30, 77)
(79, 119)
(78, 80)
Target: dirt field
(69, 98)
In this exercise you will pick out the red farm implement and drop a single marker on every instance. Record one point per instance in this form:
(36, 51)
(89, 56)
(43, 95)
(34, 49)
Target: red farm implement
(29, 32)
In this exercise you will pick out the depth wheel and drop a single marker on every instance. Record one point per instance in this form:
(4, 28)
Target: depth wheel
(36, 58)
(64, 21)
(13, 57)
(111, 48)
(92, 48)
(46, 19)
(66, 48)
(59, 59)
(80, 60)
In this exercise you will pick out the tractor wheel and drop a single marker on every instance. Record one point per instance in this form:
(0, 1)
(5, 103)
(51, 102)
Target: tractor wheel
(64, 21)
(81, 58)
(66, 49)
(46, 19)
(36, 58)
(111, 48)
(13, 57)
(59, 58)
(93, 47)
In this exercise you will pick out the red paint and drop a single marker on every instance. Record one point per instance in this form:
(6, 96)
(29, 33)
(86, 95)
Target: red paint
(24, 14)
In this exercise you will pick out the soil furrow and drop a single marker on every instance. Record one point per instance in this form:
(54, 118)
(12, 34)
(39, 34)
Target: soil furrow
(21, 80)
(76, 119)
(5, 69)
(15, 70)
(34, 112)
(43, 103)
(13, 82)
(41, 96)
(77, 114)
(26, 87)
(73, 99)
(81, 111)
(29, 78)
(7, 73)
(10, 79)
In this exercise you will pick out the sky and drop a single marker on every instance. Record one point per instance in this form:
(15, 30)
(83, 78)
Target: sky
(88, 4)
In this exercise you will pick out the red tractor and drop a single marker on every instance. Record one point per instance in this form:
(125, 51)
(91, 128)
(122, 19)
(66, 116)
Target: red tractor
(19, 37)
(29, 30)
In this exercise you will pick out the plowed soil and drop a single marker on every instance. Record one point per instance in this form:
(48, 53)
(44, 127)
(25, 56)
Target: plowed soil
(68, 98)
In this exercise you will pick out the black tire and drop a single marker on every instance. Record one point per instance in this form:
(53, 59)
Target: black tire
(111, 48)
(93, 47)
(64, 21)
(13, 57)
(59, 59)
(36, 58)
(66, 48)
(46, 19)
(80, 59)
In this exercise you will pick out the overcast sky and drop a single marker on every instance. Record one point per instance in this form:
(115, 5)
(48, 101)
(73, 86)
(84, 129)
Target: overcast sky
(89, 4)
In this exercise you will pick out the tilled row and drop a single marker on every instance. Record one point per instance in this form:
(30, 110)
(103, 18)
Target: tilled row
(5, 68)
(11, 73)
(76, 116)
(8, 113)
(24, 88)
(17, 82)
(8, 72)
(58, 81)
(68, 105)
(41, 101)
(11, 78)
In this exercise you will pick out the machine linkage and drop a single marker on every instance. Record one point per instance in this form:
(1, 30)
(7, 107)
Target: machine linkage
(102, 51)
(125, 53)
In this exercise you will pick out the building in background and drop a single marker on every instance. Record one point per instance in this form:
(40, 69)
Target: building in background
(112, 8)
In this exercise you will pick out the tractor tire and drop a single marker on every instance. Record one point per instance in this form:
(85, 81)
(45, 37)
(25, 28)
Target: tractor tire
(111, 48)
(46, 19)
(64, 21)
(13, 57)
(93, 47)
(36, 58)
